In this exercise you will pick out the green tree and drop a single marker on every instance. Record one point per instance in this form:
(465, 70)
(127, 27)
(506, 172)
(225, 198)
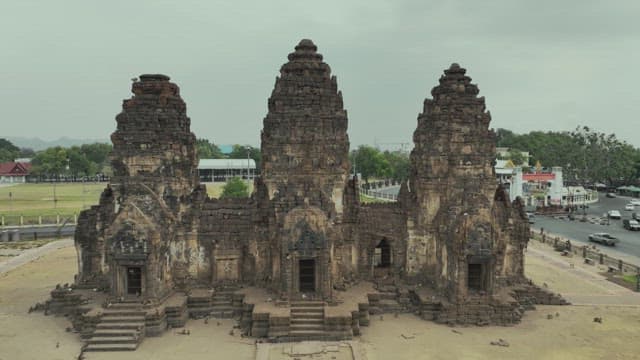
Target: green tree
(370, 162)
(240, 152)
(235, 188)
(8, 151)
(399, 164)
(79, 164)
(208, 150)
(517, 158)
(51, 162)
(97, 153)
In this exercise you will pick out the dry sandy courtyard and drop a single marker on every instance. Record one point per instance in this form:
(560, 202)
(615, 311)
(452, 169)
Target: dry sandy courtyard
(569, 334)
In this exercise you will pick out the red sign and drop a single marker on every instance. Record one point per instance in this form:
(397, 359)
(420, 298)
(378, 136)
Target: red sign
(539, 177)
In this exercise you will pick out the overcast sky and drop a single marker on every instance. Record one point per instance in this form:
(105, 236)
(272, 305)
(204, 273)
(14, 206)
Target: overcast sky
(541, 65)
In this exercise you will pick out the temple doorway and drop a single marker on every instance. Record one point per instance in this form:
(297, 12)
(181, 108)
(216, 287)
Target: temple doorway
(382, 254)
(476, 277)
(134, 280)
(307, 275)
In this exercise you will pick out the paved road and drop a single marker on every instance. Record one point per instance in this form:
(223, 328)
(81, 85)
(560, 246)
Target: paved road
(41, 231)
(32, 254)
(393, 190)
(629, 244)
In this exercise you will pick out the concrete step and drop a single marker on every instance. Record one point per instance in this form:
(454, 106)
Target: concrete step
(111, 347)
(317, 321)
(125, 305)
(113, 340)
(306, 327)
(222, 314)
(121, 325)
(388, 296)
(121, 319)
(115, 332)
(307, 310)
(309, 303)
(307, 315)
(225, 303)
(123, 312)
(306, 333)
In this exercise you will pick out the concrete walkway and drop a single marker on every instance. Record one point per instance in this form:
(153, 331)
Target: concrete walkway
(608, 293)
(33, 254)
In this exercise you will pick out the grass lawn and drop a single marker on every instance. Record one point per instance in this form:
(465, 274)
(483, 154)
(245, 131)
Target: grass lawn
(214, 190)
(32, 200)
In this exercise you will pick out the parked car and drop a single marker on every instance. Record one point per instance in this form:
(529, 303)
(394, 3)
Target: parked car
(614, 214)
(635, 216)
(631, 224)
(635, 202)
(629, 207)
(611, 195)
(604, 238)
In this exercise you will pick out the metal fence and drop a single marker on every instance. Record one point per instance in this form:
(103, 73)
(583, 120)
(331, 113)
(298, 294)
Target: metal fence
(24, 220)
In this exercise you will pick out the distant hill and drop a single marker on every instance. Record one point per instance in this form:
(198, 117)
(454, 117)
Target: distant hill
(39, 144)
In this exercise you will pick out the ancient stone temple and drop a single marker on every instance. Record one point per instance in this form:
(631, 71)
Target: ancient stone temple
(302, 258)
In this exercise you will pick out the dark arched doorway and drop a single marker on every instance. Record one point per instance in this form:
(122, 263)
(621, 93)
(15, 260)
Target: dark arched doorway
(382, 254)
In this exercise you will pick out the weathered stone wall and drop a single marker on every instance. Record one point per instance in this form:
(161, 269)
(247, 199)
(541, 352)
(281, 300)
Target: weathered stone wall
(226, 230)
(378, 221)
(453, 218)
(452, 226)
(90, 241)
(145, 216)
(305, 169)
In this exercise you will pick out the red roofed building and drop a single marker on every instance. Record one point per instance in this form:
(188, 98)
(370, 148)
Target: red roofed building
(14, 172)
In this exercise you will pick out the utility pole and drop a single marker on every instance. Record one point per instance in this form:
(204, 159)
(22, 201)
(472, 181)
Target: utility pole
(248, 152)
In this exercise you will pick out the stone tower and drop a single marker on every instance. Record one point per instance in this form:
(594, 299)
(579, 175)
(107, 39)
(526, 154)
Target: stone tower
(460, 236)
(143, 220)
(305, 171)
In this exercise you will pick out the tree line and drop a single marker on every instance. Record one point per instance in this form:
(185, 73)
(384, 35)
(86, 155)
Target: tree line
(209, 150)
(586, 156)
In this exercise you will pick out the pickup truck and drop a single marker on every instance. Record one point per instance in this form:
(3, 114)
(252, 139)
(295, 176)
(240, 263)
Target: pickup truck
(604, 238)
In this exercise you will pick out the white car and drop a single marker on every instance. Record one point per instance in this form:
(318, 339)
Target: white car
(634, 202)
(629, 207)
(614, 214)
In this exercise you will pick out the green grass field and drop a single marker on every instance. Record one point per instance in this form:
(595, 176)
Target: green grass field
(31, 200)
(36, 200)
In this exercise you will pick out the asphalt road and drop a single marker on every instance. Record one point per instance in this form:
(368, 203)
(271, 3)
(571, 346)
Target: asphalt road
(579, 231)
(30, 232)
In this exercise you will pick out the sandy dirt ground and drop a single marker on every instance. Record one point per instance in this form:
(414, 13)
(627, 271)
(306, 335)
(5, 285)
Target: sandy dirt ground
(569, 333)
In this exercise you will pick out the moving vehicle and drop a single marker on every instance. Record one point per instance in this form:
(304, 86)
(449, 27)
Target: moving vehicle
(631, 224)
(614, 214)
(629, 207)
(611, 195)
(635, 216)
(604, 238)
(531, 217)
(635, 202)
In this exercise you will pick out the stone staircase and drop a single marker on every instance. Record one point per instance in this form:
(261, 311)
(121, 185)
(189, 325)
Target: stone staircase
(222, 304)
(121, 328)
(307, 320)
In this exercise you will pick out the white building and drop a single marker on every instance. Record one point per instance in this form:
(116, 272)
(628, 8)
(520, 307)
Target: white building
(212, 170)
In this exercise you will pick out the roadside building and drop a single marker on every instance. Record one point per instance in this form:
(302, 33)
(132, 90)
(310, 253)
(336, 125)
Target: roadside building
(510, 177)
(14, 172)
(214, 170)
(632, 191)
